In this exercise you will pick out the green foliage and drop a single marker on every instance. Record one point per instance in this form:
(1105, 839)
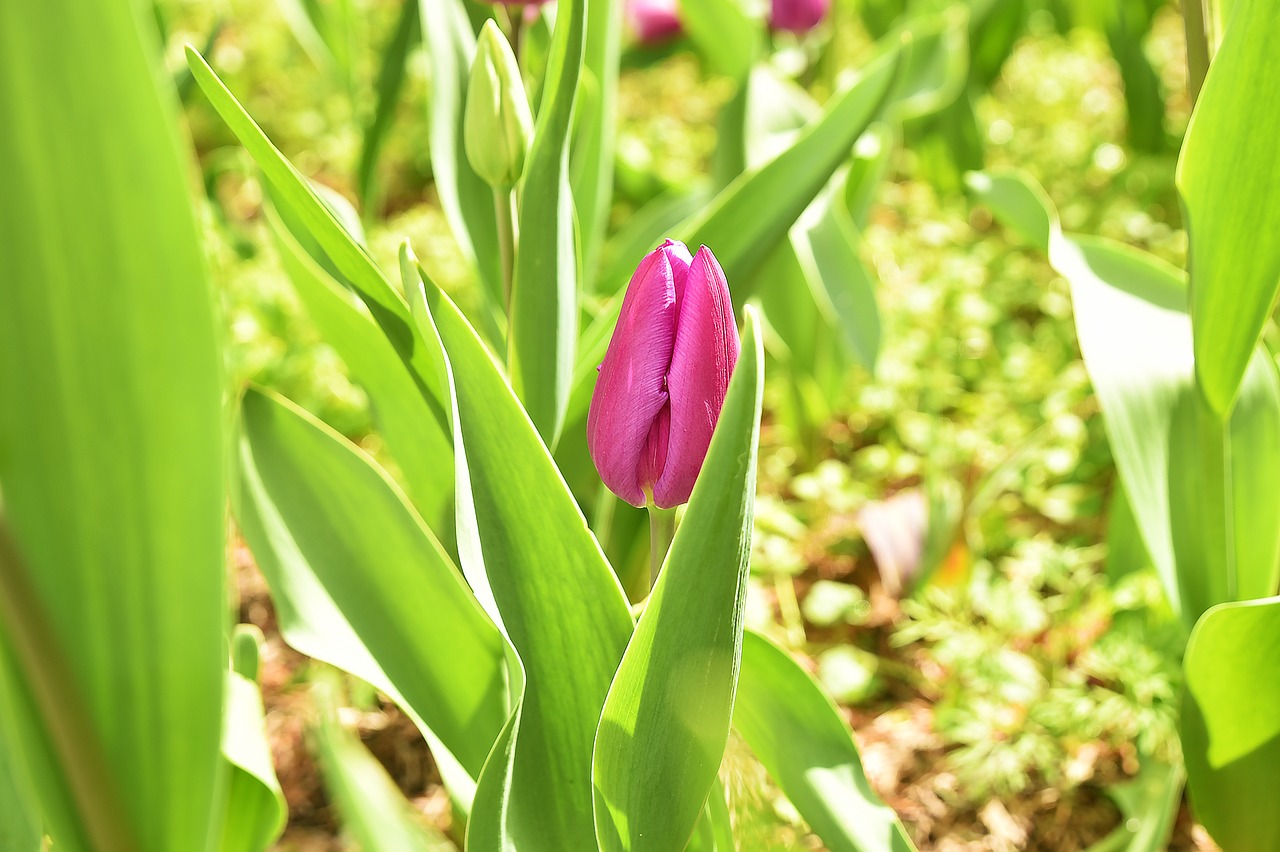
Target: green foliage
(1039, 658)
(111, 439)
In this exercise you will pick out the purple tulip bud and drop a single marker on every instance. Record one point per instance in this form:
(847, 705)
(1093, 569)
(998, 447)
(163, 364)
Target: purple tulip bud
(653, 20)
(798, 16)
(664, 377)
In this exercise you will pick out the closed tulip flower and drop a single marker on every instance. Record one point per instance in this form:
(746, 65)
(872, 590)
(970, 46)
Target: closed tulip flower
(798, 16)
(664, 377)
(653, 20)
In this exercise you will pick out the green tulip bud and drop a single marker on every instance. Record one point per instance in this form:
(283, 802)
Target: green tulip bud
(497, 124)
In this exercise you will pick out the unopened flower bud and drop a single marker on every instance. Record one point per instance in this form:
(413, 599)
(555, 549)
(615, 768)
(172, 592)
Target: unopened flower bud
(497, 124)
(664, 377)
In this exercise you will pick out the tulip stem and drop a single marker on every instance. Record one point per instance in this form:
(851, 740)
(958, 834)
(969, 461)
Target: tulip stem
(504, 206)
(662, 529)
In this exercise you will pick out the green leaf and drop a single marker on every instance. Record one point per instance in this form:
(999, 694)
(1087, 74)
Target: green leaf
(544, 294)
(353, 570)
(20, 824)
(375, 814)
(395, 55)
(797, 733)
(1198, 490)
(593, 150)
(724, 33)
(255, 810)
(752, 215)
(299, 203)
(1229, 186)
(414, 425)
(1230, 728)
(467, 200)
(666, 721)
(558, 600)
(936, 67)
(111, 437)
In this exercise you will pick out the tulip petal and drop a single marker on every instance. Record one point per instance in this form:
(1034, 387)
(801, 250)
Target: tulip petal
(706, 350)
(631, 389)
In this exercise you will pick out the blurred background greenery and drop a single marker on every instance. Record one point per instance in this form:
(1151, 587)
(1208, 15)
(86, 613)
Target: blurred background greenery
(1013, 702)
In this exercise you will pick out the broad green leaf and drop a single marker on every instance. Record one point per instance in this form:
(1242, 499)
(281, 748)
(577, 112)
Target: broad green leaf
(111, 436)
(374, 813)
(255, 809)
(666, 721)
(544, 293)
(752, 215)
(1230, 727)
(1229, 185)
(353, 572)
(593, 151)
(1198, 490)
(395, 56)
(298, 202)
(450, 43)
(777, 110)
(714, 832)
(558, 599)
(414, 425)
(796, 731)
(724, 33)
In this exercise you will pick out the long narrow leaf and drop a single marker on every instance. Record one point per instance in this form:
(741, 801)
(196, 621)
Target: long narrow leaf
(299, 203)
(256, 811)
(544, 295)
(753, 214)
(395, 56)
(111, 439)
(796, 731)
(558, 600)
(666, 721)
(414, 425)
(360, 583)
(374, 812)
(1229, 185)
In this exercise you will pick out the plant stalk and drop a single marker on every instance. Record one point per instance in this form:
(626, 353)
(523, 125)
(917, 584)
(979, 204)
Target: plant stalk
(662, 529)
(504, 207)
(1195, 23)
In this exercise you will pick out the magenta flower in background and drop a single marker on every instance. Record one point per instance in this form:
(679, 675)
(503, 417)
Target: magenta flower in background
(798, 16)
(653, 20)
(664, 377)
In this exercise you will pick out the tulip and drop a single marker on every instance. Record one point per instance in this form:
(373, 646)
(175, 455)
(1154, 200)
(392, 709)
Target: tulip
(798, 16)
(653, 20)
(664, 377)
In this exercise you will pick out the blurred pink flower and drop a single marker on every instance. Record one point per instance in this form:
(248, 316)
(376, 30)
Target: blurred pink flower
(653, 20)
(664, 377)
(798, 16)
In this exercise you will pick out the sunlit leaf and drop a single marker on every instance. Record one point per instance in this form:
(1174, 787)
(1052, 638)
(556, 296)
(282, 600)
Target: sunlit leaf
(354, 574)
(752, 215)
(374, 812)
(111, 438)
(558, 600)
(1230, 730)
(797, 733)
(1229, 187)
(544, 295)
(1199, 491)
